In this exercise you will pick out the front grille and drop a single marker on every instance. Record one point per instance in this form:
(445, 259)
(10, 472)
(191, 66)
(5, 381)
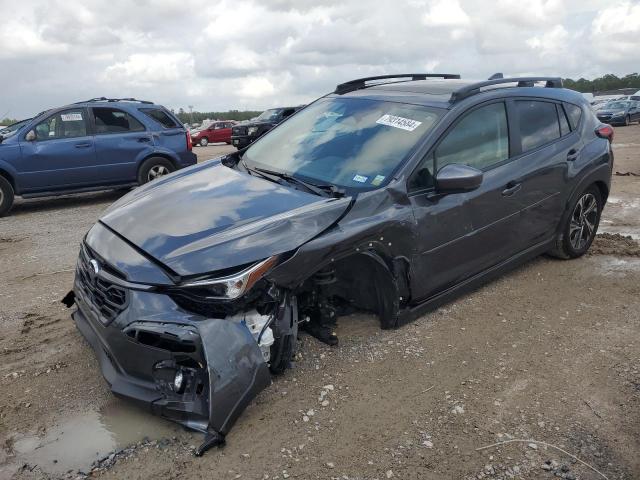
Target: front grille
(239, 131)
(104, 297)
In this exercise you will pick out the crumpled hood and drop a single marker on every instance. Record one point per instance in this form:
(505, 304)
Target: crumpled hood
(211, 217)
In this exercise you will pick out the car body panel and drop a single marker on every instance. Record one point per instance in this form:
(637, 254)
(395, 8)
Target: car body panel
(618, 116)
(219, 218)
(216, 132)
(92, 161)
(417, 249)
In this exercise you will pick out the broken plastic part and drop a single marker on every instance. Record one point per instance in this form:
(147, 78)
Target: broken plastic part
(211, 439)
(69, 299)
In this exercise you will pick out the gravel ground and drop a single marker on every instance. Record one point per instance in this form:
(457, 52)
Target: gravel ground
(536, 375)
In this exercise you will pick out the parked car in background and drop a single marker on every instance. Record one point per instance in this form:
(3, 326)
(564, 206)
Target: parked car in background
(93, 145)
(216, 132)
(248, 132)
(619, 112)
(390, 198)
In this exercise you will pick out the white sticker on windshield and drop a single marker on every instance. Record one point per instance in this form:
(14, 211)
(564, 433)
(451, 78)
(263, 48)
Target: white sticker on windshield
(360, 178)
(399, 122)
(71, 117)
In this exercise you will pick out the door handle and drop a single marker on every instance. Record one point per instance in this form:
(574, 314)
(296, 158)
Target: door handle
(82, 145)
(511, 188)
(572, 155)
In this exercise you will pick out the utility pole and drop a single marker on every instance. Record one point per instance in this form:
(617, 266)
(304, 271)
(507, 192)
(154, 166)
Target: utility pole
(191, 113)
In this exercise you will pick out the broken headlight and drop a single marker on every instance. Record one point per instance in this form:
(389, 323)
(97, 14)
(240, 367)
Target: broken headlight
(233, 286)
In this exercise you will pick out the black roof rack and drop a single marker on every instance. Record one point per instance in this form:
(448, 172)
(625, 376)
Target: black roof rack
(474, 88)
(360, 83)
(105, 99)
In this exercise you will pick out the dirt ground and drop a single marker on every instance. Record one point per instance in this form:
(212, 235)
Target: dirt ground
(546, 359)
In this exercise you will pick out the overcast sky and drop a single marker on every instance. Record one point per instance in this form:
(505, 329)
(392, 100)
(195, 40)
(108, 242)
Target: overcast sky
(218, 54)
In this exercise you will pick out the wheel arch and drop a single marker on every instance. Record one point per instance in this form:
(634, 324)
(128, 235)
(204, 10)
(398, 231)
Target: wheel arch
(9, 178)
(369, 279)
(159, 154)
(600, 177)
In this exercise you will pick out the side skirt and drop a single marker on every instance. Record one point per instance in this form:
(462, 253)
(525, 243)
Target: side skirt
(408, 315)
(55, 193)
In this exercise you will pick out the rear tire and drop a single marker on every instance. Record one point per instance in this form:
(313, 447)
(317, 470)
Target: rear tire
(581, 226)
(153, 168)
(6, 196)
(204, 142)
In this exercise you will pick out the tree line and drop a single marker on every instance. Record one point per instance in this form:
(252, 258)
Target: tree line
(198, 117)
(604, 83)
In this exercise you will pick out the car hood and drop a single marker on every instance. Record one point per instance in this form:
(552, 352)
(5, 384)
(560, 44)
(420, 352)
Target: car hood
(211, 217)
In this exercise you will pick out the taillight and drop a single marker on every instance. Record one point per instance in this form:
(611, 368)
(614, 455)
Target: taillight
(605, 131)
(189, 142)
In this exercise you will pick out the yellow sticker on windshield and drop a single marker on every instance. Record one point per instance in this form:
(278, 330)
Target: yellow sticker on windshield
(377, 180)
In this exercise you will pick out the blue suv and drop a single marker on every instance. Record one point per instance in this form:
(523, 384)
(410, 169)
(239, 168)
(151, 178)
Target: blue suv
(93, 145)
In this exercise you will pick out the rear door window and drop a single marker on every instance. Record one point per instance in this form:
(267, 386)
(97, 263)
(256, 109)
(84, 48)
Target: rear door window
(480, 139)
(66, 124)
(113, 120)
(538, 123)
(160, 116)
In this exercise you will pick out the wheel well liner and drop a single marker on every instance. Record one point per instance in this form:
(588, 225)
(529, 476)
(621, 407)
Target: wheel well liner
(604, 190)
(366, 281)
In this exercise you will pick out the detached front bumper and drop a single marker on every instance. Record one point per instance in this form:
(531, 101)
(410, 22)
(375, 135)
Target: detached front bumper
(142, 348)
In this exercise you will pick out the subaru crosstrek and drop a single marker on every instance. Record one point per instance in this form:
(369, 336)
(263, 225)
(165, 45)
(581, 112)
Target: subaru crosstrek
(390, 196)
(94, 145)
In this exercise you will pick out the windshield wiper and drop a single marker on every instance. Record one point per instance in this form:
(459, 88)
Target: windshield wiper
(322, 190)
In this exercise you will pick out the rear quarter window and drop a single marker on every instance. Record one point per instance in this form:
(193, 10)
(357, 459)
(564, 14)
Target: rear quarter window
(160, 116)
(575, 113)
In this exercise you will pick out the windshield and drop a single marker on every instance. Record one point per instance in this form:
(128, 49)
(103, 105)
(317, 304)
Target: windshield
(348, 142)
(617, 105)
(268, 115)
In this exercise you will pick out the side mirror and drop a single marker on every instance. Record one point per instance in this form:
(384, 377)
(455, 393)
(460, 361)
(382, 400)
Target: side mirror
(1, 138)
(30, 136)
(455, 177)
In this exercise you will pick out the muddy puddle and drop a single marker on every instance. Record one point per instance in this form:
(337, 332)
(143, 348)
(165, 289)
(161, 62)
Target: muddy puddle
(76, 442)
(616, 266)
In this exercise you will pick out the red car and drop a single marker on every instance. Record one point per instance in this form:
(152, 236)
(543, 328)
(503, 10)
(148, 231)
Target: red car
(215, 133)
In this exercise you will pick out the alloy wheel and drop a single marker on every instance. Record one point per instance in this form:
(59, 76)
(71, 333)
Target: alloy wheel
(157, 171)
(204, 142)
(583, 221)
(1, 196)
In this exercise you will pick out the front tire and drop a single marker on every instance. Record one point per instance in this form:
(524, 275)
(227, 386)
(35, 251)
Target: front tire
(154, 168)
(627, 120)
(204, 142)
(6, 196)
(581, 225)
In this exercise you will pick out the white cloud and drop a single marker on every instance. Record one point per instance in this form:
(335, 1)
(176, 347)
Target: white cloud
(256, 87)
(446, 13)
(259, 54)
(151, 69)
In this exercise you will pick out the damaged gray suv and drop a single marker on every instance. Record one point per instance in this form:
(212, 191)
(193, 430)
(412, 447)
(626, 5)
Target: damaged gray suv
(390, 196)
